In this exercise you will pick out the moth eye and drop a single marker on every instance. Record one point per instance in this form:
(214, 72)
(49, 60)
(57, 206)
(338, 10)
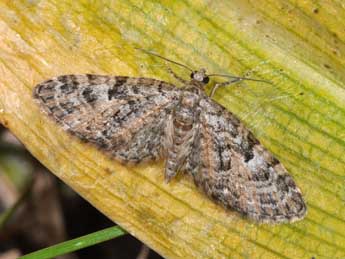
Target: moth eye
(206, 79)
(192, 75)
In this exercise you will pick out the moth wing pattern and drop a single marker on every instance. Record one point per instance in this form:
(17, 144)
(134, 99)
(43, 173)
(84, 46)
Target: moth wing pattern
(123, 116)
(143, 119)
(232, 168)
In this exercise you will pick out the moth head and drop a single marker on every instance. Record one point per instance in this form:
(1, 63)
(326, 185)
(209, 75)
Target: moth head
(200, 76)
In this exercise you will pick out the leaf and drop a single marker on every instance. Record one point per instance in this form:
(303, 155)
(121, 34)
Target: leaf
(297, 45)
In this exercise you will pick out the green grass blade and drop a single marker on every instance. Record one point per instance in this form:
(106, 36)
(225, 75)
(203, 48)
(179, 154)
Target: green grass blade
(76, 244)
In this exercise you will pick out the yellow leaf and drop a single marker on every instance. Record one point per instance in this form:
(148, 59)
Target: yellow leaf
(298, 45)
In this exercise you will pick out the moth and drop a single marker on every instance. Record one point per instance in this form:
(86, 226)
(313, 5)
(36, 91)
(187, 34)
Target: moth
(134, 120)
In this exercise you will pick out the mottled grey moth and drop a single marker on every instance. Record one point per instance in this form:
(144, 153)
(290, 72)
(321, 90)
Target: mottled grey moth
(143, 119)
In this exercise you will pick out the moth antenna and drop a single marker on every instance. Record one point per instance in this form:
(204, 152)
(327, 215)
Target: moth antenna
(169, 60)
(242, 78)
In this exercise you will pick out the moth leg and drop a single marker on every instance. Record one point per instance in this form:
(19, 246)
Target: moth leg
(173, 74)
(216, 86)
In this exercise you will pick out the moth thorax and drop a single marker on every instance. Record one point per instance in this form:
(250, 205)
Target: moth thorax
(188, 101)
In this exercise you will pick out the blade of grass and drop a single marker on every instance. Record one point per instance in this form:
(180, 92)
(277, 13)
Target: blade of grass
(76, 244)
(7, 214)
